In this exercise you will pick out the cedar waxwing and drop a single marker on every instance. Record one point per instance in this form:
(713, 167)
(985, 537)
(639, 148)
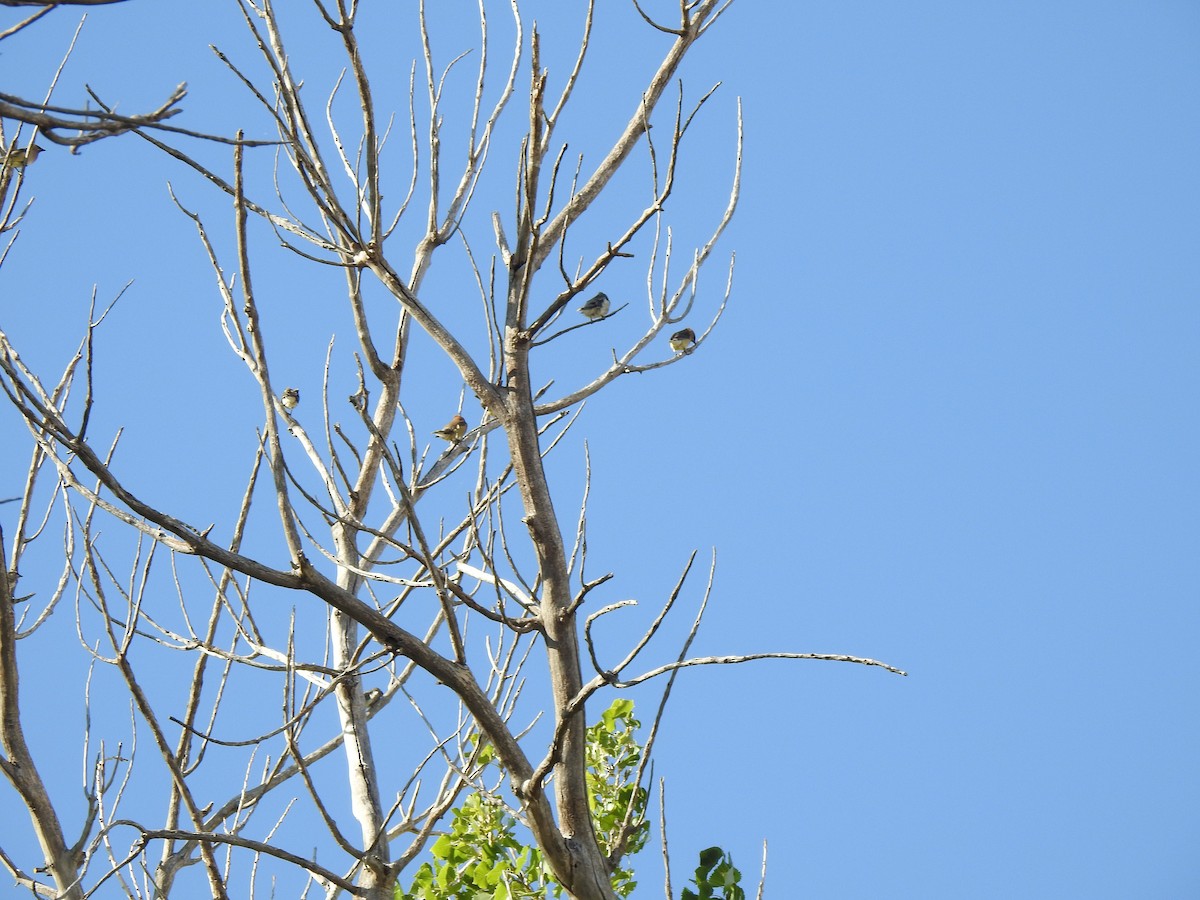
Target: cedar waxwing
(290, 398)
(683, 340)
(18, 158)
(454, 430)
(597, 307)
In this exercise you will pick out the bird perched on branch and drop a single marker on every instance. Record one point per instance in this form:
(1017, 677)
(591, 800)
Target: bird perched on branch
(683, 340)
(18, 158)
(453, 431)
(596, 308)
(290, 398)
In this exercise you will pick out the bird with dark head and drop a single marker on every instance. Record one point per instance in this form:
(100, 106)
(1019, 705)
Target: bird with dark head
(19, 158)
(596, 308)
(683, 340)
(453, 431)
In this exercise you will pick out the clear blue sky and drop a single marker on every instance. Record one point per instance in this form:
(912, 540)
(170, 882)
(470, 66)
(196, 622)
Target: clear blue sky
(949, 421)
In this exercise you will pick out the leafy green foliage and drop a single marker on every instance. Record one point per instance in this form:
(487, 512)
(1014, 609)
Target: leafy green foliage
(716, 878)
(481, 856)
(613, 757)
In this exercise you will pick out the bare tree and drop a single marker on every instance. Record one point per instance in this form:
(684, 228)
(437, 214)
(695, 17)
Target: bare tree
(455, 613)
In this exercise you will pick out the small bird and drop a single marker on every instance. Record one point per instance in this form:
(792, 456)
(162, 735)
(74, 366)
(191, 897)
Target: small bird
(596, 308)
(453, 431)
(17, 158)
(290, 398)
(683, 340)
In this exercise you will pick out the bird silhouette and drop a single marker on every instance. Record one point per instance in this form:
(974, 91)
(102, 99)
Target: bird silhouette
(18, 158)
(683, 340)
(453, 431)
(596, 308)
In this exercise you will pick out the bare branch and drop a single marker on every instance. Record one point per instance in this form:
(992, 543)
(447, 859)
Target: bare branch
(53, 3)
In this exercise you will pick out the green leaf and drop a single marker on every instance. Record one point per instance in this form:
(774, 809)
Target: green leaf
(710, 857)
(716, 878)
(486, 853)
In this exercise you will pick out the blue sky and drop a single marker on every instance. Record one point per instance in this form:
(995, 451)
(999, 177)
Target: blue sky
(948, 421)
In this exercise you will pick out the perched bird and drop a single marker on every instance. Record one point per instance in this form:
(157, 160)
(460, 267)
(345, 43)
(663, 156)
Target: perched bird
(290, 398)
(453, 431)
(683, 340)
(17, 158)
(597, 307)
